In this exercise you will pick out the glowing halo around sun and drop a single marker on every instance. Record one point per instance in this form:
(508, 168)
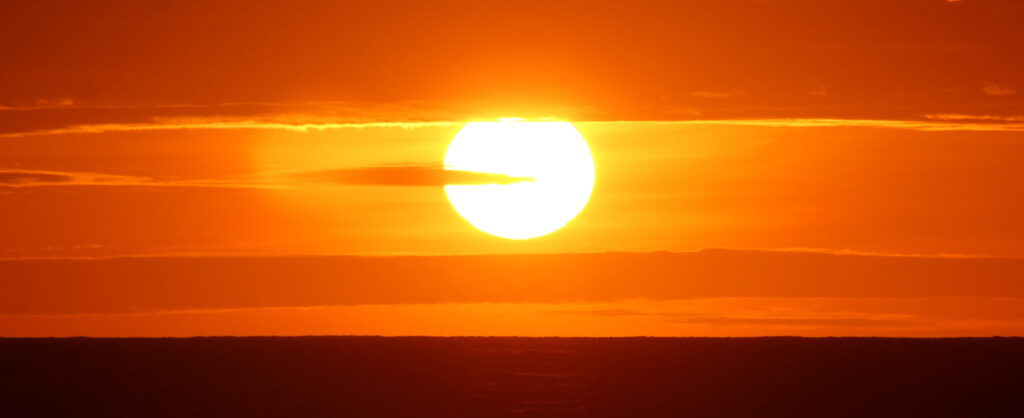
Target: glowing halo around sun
(553, 154)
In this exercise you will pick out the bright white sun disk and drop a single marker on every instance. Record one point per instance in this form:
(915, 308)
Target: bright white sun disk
(553, 154)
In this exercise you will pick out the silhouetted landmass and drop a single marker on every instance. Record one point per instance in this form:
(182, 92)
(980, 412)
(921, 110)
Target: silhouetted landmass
(494, 377)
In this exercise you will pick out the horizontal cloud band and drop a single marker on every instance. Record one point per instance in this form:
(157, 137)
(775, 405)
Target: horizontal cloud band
(408, 176)
(139, 284)
(36, 178)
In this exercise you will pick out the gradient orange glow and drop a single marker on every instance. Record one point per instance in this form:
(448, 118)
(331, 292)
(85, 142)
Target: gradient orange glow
(758, 168)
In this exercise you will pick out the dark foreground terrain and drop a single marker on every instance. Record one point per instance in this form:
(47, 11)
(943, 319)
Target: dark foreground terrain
(494, 377)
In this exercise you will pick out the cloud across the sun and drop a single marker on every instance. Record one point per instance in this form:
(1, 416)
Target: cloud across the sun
(385, 175)
(407, 175)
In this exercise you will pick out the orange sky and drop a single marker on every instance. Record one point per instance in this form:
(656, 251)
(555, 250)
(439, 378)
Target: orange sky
(862, 162)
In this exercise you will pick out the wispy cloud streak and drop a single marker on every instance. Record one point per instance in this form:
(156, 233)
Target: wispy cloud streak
(214, 124)
(404, 175)
(931, 123)
(936, 124)
(409, 175)
(37, 178)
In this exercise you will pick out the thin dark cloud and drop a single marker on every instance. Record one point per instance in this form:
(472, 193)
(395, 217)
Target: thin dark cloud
(33, 177)
(408, 175)
(798, 317)
(768, 320)
(36, 178)
(28, 178)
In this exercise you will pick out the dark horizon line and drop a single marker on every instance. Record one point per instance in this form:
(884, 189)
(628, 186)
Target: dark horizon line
(506, 337)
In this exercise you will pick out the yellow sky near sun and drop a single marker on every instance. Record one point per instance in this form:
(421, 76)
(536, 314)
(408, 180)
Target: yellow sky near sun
(659, 186)
(691, 186)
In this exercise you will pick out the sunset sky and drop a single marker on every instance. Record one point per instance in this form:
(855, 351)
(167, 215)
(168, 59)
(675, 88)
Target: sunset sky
(762, 167)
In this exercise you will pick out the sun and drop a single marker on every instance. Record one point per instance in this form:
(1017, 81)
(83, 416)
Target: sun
(553, 154)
